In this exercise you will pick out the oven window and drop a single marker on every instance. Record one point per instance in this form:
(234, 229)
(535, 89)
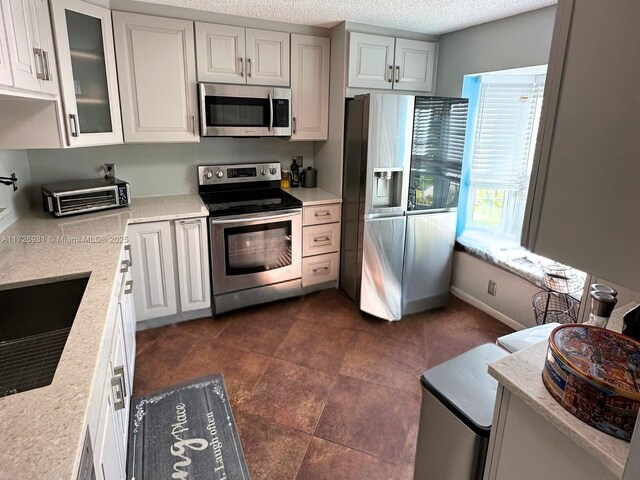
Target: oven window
(257, 248)
(237, 112)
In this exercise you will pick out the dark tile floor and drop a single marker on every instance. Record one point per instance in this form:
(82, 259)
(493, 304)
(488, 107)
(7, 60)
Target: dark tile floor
(318, 389)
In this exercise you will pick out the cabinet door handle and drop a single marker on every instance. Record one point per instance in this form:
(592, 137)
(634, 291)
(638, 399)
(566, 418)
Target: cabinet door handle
(37, 54)
(47, 69)
(321, 239)
(390, 72)
(73, 124)
(127, 248)
(397, 73)
(119, 372)
(193, 123)
(117, 382)
(241, 67)
(124, 266)
(128, 287)
(320, 270)
(248, 68)
(295, 125)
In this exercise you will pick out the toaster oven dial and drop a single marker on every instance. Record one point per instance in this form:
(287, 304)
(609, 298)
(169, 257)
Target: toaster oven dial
(219, 174)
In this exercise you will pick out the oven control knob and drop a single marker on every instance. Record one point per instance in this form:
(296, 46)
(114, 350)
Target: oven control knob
(263, 171)
(219, 174)
(208, 174)
(273, 170)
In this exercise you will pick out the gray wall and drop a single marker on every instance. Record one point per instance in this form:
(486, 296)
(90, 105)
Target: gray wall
(519, 41)
(162, 169)
(13, 204)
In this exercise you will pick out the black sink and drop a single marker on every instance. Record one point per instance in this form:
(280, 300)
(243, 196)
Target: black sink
(35, 322)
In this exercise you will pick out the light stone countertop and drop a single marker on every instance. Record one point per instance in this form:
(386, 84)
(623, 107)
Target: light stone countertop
(313, 196)
(43, 429)
(521, 374)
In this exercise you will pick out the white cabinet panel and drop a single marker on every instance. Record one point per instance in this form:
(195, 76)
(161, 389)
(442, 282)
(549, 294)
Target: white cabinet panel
(320, 269)
(6, 78)
(414, 65)
(371, 61)
(153, 273)
(317, 214)
(319, 239)
(110, 462)
(46, 55)
(88, 83)
(220, 53)
(157, 78)
(267, 57)
(21, 27)
(193, 264)
(310, 87)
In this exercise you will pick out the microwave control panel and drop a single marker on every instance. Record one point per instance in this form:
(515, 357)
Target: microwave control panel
(280, 113)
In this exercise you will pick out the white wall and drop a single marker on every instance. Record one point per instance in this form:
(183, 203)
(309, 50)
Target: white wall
(162, 169)
(519, 41)
(512, 302)
(13, 204)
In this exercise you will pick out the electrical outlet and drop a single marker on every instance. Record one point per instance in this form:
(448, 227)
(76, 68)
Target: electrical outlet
(492, 288)
(109, 170)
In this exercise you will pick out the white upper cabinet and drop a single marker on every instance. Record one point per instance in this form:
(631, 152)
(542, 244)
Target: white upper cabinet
(228, 54)
(192, 250)
(414, 65)
(30, 45)
(221, 53)
(310, 87)
(389, 63)
(6, 78)
(267, 57)
(371, 61)
(84, 41)
(157, 78)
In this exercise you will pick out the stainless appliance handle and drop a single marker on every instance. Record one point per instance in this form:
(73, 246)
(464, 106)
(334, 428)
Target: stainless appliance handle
(73, 124)
(37, 53)
(248, 68)
(397, 73)
(390, 71)
(256, 218)
(270, 112)
(241, 67)
(45, 61)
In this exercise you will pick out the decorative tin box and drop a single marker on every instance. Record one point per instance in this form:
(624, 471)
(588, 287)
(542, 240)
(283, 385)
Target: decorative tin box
(594, 373)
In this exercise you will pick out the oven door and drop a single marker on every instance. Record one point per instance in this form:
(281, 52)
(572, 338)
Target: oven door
(250, 251)
(244, 111)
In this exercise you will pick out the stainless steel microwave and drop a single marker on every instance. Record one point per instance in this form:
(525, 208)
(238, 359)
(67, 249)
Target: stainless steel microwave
(244, 111)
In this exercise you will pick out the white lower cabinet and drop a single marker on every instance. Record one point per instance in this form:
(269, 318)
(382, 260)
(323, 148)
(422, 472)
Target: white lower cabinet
(173, 272)
(320, 244)
(109, 423)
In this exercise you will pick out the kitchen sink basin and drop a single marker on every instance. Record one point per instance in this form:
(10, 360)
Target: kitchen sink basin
(35, 321)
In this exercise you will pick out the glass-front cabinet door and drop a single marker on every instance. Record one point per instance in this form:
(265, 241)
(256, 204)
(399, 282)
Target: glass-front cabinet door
(84, 38)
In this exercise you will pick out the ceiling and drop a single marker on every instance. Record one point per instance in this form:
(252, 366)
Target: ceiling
(425, 16)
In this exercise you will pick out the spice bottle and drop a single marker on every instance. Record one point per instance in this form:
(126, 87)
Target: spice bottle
(601, 307)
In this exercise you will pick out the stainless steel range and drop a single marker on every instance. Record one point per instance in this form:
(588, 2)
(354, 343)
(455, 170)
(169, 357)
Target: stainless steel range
(255, 231)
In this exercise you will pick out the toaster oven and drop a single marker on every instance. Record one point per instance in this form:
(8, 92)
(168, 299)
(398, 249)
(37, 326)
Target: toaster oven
(80, 196)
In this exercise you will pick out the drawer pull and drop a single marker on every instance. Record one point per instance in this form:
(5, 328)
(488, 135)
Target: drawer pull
(323, 214)
(118, 383)
(321, 239)
(189, 222)
(128, 287)
(127, 248)
(124, 266)
(320, 270)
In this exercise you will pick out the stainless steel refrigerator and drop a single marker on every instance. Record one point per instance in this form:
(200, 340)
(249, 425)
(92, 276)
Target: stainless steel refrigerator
(402, 167)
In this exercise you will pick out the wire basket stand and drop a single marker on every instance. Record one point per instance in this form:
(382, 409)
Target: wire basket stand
(555, 304)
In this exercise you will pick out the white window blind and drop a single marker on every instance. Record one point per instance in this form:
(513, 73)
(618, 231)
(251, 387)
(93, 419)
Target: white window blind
(503, 146)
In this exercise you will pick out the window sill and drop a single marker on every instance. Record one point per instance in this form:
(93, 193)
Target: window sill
(508, 255)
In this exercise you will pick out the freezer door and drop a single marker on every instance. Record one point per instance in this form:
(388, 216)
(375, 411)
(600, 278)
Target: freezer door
(383, 251)
(427, 261)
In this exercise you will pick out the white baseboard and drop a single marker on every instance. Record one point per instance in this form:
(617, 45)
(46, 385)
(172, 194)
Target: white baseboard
(508, 321)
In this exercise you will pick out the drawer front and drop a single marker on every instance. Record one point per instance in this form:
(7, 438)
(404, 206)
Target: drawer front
(320, 269)
(319, 214)
(319, 239)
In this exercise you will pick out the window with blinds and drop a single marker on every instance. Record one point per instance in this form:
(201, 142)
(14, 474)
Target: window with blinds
(507, 119)
(436, 156)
